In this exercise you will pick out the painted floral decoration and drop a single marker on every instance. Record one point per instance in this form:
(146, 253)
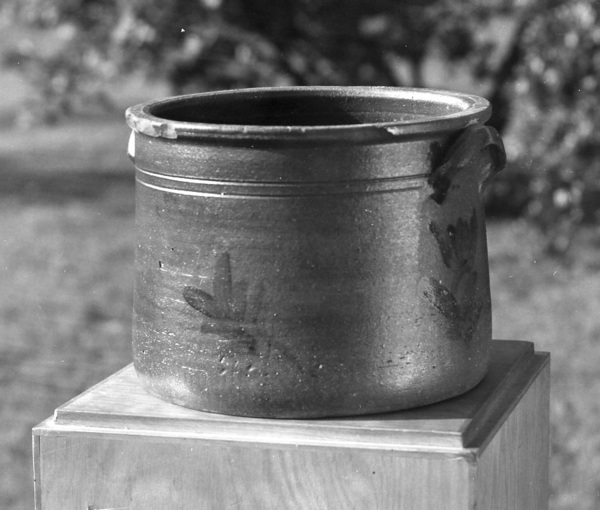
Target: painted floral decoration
(233, 309)
(458, 300)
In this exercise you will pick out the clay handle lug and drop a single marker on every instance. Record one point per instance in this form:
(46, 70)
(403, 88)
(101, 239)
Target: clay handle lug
(477, 146)
(497, 156)
(131, 147)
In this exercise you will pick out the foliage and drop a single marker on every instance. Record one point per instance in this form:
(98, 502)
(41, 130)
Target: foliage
(216, 44)
(541, 75)
(559, 85)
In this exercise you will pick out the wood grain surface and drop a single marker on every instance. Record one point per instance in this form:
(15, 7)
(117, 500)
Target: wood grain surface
(115, 447)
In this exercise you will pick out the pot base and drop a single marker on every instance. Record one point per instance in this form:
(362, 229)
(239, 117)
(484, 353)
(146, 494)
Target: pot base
(308, 402)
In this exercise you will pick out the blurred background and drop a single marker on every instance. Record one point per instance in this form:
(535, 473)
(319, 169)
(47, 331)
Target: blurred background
(69, 68)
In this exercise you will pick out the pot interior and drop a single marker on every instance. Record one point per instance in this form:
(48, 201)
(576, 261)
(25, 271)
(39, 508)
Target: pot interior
(281, 107)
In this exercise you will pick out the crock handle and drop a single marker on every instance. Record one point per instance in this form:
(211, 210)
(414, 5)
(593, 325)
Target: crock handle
(478, 146)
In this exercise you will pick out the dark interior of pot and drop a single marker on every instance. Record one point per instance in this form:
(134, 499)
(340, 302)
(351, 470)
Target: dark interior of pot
(305, 109)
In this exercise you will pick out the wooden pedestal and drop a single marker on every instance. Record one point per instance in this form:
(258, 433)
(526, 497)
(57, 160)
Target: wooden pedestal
(116, 447)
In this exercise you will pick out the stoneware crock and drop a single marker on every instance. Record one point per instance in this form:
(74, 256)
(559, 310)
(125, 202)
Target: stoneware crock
(312, 251)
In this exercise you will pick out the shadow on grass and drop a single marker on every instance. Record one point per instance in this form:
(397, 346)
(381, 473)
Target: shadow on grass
(56, 187)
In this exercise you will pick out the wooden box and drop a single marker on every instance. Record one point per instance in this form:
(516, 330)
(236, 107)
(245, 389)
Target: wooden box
(116, 447)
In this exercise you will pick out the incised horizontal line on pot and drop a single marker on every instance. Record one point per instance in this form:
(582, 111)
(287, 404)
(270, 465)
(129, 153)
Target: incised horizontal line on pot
(237, 189)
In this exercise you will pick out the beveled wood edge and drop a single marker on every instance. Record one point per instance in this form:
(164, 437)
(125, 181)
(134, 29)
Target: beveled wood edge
(322, 432)
(292, 433)
(48, 428)
(478, 434)
(89, 390)
(292, 439)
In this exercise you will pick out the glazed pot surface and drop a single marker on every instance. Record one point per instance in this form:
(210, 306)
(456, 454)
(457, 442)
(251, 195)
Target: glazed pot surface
(309, 252)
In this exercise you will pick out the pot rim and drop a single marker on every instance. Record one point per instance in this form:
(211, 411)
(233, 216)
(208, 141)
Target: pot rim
(462, 110)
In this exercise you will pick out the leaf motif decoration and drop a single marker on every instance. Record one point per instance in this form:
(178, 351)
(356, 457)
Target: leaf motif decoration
(201, 301)
(463, 316)
(233, 310)
(468, 289)
(472, 319)
(239, 303)
(445, 247)
(440, 298)
(458, 243)
(458, 248)
(223, 286)
(465, 244)
(254, 303)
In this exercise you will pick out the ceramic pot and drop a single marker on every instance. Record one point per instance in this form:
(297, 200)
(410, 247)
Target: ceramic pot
(310, 252)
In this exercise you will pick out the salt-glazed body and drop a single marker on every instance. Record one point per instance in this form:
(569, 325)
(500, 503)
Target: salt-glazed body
(312, 251)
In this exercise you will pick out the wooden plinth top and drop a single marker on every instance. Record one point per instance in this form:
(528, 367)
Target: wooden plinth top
(120, 406)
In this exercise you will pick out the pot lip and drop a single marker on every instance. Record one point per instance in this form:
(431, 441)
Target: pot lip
(464, 110)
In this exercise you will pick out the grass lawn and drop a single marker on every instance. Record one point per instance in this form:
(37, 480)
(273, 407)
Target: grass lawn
(66, 259)
(65, 307)
(556, 305)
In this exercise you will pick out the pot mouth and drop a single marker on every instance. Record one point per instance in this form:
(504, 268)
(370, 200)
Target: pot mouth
(368, 114)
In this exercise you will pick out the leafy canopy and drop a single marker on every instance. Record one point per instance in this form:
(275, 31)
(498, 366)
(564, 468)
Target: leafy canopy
(541, 70)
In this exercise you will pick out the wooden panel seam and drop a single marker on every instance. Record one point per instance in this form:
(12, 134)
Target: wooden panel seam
(37, 471)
